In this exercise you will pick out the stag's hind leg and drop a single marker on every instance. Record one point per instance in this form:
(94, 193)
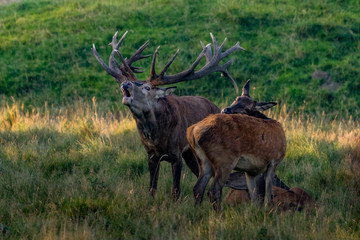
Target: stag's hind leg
(176, 165)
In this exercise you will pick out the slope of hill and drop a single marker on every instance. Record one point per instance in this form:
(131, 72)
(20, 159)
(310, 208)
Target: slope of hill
(45, 49)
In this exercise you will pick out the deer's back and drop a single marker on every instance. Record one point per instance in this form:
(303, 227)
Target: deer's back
(192, 109)
(238, 136)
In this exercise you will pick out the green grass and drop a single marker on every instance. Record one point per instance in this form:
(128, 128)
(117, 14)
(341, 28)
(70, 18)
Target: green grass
(46, 57)
(74, 167)
(81, 173)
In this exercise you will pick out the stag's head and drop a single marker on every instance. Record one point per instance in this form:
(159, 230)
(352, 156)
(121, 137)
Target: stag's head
(142, 95)
(246, 105)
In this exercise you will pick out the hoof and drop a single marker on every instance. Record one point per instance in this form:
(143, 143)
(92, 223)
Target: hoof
(152, 192)
(216, 206)
(175, 194)
(197, 200)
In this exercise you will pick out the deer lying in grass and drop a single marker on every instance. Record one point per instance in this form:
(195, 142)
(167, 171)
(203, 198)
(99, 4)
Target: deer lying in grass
(224, 142)
(283, 199)
(161, 117)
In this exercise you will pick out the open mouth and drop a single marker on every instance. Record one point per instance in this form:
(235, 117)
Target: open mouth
(128, 98)
(126, 92)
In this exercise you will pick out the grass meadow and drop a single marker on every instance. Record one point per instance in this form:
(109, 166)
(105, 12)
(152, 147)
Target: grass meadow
(80, 173)
(46, 57)
(71, 162)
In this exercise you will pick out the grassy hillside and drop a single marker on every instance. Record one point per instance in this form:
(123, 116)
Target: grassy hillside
(71, 163)
(45, 49)
(81, 173)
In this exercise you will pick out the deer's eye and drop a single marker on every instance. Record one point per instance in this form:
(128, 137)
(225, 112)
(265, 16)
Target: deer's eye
(147, 88)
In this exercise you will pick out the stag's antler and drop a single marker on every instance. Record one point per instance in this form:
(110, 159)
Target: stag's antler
(125, 71)
(212, 65)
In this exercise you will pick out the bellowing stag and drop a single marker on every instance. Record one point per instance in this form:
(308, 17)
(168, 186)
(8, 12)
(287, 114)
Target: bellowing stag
(225, 142)
(161, 117)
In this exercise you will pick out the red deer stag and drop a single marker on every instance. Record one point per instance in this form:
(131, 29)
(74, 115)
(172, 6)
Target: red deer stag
(162, 118)
(226, 142)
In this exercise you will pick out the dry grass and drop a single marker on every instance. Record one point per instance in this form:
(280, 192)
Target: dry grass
(353, 160)
(80, 172)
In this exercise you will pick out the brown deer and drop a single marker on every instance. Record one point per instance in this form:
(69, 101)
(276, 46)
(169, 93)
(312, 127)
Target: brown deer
(282, 199)
(224, 142)
(161, 117)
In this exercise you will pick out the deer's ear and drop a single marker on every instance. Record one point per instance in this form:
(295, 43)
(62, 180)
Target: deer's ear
(262, 106)
(163, 92)
(246, 89)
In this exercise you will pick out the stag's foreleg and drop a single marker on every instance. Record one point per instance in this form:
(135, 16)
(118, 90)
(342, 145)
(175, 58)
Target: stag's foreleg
(176, 166)
(154, 166)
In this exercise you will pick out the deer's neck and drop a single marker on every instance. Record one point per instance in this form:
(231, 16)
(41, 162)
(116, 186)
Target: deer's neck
(258, 114)
(154, 123)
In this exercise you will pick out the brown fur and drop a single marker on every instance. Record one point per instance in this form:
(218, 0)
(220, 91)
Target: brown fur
(162, 131)
(235, 197)
(172, 116)
(293, 199)
(223, 142)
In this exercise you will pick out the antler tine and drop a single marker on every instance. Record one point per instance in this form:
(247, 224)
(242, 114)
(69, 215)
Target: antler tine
(114, 43)
(203, 52)
(113, 64)
(208, 53)
(116, 75)
(222, 45)
(232, 49)
(215, 44)
(226, 74)
(138, 54)
(130, 74)
(212, 65)
(121, 40)
(124, 71)
(152, 70)
(169, 63)
(115, 46)
(161, 79)
(137, 69)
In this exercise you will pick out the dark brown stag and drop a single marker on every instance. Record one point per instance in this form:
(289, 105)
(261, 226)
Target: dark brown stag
(162, 118)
